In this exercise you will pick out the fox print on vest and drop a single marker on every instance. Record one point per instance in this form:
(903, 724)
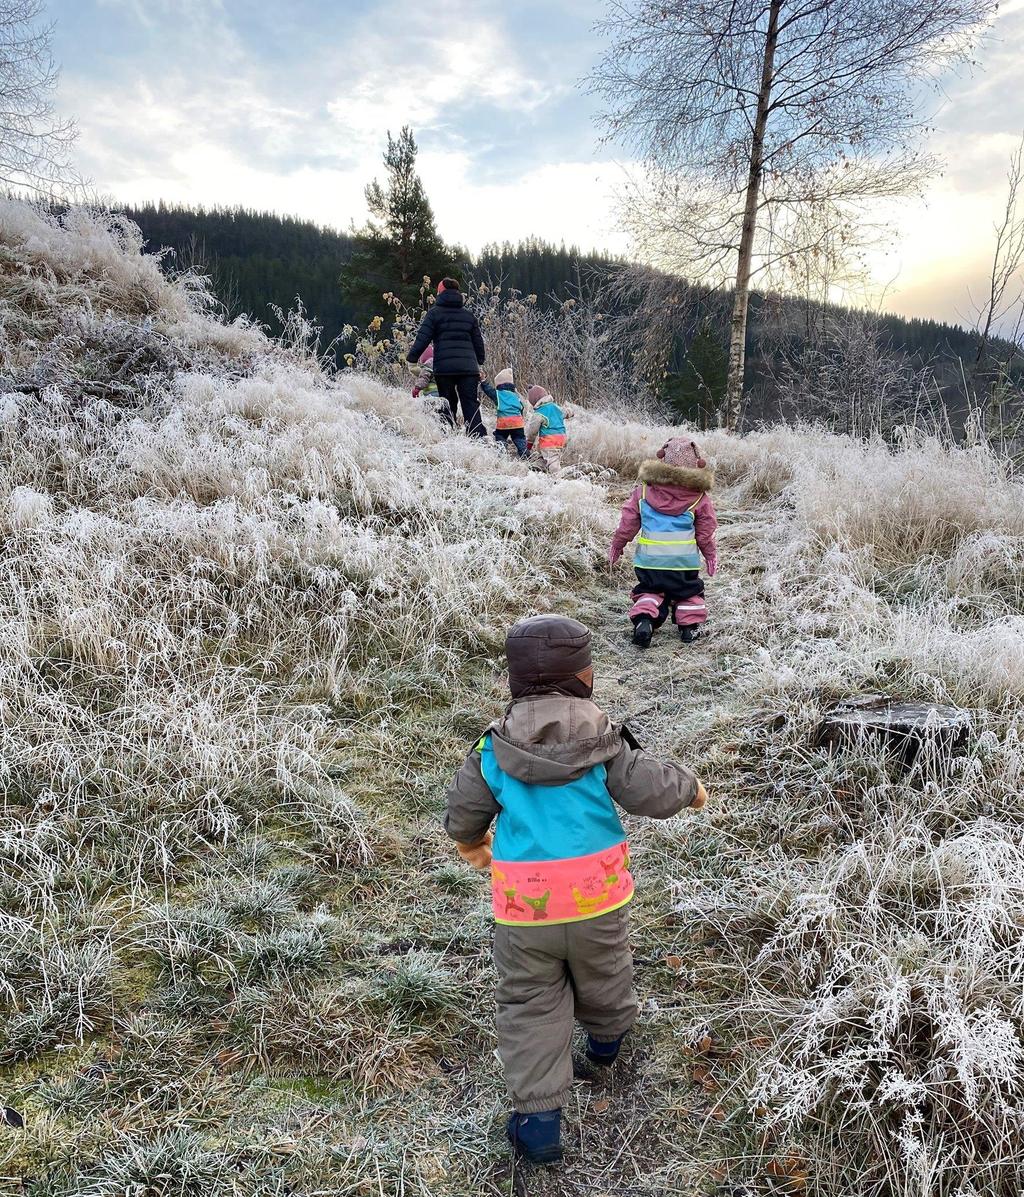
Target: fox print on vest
(539, 873)
(666, 541)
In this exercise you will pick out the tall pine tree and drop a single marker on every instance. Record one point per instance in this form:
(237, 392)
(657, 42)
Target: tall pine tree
(698, 387)
(399, 244)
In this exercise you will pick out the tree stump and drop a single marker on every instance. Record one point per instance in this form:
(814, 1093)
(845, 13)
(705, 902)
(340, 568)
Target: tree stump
(910, 732)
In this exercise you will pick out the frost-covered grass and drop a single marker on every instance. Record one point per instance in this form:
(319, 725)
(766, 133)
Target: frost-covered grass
(251, 619)
(240, 607)
(864, 923)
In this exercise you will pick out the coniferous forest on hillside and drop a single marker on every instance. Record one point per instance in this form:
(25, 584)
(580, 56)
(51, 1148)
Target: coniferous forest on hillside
(258, 261)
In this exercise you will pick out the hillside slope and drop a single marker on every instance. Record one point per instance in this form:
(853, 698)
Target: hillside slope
(253, 617)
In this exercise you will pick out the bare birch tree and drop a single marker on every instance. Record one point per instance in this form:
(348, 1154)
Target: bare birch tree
(765, 124)
(995, 391)
(1006, 284)
(34, 141)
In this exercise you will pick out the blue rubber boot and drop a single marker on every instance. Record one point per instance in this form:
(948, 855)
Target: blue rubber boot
(536, 1137)
(604, 1054)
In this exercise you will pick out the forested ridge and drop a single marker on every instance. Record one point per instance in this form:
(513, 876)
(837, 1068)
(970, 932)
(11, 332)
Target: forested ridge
(258, 259)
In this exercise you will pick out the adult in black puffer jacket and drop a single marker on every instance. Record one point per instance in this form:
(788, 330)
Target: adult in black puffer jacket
(458, 354)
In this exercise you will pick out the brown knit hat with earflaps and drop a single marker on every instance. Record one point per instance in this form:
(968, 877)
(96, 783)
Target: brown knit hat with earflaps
(546, 654)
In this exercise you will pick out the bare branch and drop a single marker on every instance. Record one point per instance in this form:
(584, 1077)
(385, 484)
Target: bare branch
(1006, 289)
(34, 141)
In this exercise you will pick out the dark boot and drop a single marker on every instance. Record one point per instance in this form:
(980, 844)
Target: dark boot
(536, 1137)
(688, 632)
(604, 1054)
(643, 630)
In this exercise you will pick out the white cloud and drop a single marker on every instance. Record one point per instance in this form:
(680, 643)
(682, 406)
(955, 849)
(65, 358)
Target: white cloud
(199, 115)
(429, 78)
(191, 136)
(564, 201)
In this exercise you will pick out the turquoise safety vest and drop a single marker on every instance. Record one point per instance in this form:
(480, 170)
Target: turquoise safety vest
(560, 853)
(666, 541)
(508, 400)
(510, 408)
(552, 419)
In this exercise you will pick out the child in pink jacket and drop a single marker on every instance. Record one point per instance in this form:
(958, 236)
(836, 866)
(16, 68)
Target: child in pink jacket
(672, 511)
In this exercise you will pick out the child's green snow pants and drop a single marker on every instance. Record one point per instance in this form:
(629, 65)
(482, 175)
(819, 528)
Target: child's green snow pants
(547, 977)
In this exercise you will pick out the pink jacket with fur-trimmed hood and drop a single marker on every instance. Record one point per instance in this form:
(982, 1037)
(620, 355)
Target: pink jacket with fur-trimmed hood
(673, 490)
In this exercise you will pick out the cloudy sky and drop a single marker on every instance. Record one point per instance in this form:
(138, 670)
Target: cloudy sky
(285, 105)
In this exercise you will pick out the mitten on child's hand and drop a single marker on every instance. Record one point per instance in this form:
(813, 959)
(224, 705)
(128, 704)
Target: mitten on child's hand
(702, 797)
(710, 564)
(614, 553)
(415, 392)
(479, 854)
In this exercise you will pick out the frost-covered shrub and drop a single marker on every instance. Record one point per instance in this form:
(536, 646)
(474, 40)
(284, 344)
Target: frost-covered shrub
(82, 308)
(875, 921)
(569, 348)
(907, 1041)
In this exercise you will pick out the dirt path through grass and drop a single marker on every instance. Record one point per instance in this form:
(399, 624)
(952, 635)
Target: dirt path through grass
(670, 1117)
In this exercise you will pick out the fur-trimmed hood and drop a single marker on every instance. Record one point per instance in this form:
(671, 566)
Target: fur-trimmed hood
(659, 473)
(671, 490)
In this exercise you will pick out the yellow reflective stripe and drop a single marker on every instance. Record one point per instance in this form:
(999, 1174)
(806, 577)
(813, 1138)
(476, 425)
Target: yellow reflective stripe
(646, 540)
(480, 744)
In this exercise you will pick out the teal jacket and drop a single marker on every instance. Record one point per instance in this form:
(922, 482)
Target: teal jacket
(551, 773)
(552, 423)
(509, 403)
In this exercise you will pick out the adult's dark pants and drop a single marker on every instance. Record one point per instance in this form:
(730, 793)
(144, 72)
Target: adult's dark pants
(461, 389)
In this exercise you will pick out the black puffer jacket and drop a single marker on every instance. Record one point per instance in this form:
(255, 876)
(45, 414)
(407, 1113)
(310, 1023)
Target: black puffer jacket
(455, 333)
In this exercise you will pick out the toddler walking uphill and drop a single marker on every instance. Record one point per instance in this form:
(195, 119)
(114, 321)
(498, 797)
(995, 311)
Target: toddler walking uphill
(550, 772)
(546, 429)
(673, 512)
(424, 383)
(511, 423)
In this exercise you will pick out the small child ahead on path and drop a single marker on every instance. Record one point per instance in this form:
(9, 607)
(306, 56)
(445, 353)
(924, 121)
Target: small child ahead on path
(511, 422)
(551, 771)
(546, 429)
(672, 510)
(424, 383)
